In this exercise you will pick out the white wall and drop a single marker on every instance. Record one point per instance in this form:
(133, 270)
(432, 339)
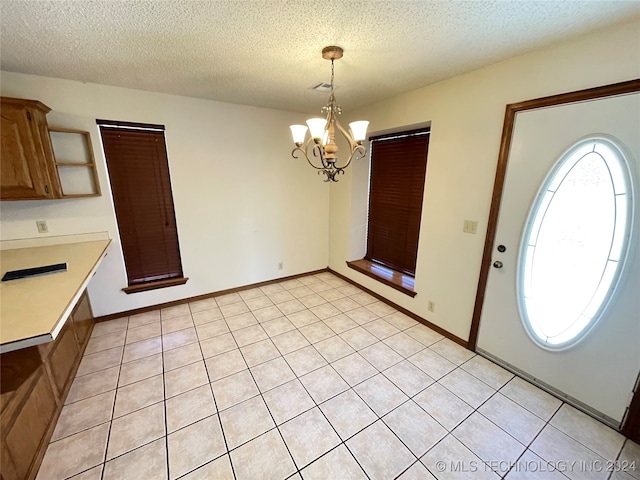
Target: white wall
(466, 115)
(243, 204)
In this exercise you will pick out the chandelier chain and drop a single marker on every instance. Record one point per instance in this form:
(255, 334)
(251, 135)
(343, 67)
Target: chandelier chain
(332, 75)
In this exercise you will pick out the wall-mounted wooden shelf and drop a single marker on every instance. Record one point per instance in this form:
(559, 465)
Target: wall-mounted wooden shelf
(75, 162)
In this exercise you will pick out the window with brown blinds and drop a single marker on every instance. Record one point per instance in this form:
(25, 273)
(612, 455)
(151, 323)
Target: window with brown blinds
(141, 188)
(398, 168)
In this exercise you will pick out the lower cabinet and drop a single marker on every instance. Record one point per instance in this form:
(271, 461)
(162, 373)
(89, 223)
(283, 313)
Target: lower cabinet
(24, 439)
(63, 359)
(35, 382)
(82, 318)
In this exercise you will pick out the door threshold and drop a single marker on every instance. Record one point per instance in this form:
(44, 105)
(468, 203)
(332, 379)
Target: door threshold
(597, 415)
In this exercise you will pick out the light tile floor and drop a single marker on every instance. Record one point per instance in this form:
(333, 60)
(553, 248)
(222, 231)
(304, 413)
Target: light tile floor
(311, 378)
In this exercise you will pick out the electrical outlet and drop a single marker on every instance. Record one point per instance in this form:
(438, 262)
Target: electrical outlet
(280, 265)
(42, 226)
(431, 306)
(470, 226)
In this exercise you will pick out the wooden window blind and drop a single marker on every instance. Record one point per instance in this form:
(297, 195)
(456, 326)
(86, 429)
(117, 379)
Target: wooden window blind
(136, 157)
(398, 168)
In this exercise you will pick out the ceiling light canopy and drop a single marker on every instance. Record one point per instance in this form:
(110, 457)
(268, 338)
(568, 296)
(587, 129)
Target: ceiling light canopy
(321, 144)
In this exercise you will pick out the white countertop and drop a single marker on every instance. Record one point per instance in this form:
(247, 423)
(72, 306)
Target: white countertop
(34, 310)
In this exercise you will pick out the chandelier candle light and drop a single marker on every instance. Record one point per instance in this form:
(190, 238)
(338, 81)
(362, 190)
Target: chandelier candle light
(321, 143)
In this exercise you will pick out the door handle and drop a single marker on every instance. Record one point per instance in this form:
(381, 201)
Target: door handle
(497, 264)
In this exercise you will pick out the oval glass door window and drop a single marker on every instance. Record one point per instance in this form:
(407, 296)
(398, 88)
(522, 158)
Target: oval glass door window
(575, 243)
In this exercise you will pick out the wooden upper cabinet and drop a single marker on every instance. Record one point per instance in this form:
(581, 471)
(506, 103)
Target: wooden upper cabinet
(28, 170)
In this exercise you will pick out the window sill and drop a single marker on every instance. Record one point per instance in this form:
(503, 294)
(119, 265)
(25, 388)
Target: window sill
(143, 287)
(400, 281)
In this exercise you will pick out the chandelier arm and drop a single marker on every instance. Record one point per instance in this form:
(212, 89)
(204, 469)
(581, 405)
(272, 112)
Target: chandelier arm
(303, 149)
(359, 149)
(318, 151)
(352, 143)
(354, 146)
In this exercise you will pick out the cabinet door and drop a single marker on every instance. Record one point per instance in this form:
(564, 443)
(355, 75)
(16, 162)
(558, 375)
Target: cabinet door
(62, 360)
(25, 437)
(83, 320)
(24, 171)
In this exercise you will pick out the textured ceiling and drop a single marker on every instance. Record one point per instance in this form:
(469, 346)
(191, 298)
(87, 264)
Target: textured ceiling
(267, 52)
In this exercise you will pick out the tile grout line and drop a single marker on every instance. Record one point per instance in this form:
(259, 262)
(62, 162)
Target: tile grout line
(141, 408)
(89, 428)
(212, 396)
(215, 403)
(224, 437)
(548, 422)
(379, 418)
(409, 398)
(317, 405)
(476, 410)
(329, 363)
(276, 426)
(297, 377)
(527, 447)
(164, 401)
(113, 409)
(133, 411)
(343, 442)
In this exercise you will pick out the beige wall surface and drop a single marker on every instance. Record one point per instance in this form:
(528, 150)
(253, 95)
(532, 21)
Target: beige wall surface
(466, 115)
(243, 204)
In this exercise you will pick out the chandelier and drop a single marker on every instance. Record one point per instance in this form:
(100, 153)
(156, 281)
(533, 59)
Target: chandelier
(321, 145)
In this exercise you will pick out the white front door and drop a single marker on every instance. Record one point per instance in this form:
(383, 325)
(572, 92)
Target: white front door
(597, 373)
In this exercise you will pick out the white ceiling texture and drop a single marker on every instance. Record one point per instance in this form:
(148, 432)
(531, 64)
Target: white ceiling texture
(267, 52)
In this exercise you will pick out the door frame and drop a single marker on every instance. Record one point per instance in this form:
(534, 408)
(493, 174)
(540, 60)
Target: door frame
(631, 423)
(630, 86)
